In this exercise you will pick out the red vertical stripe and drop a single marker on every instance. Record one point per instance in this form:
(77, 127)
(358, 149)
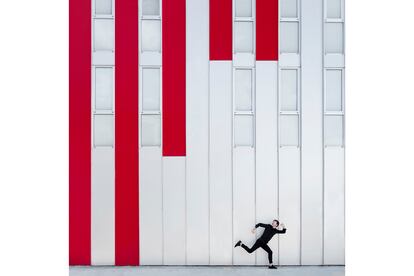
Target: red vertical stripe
(221, 31)
(173, 77)
(126, 133)
(267, 29)
(79, 132)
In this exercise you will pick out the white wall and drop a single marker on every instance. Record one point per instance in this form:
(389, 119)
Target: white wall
(278, 154)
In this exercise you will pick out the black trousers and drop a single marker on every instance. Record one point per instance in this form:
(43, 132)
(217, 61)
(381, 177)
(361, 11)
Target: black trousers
(263, 245)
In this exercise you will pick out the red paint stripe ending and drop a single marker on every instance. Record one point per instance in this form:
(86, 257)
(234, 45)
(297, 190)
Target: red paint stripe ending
(79, 132)
(267, 30)
(173, 77)
(221, 30)
(126, 133)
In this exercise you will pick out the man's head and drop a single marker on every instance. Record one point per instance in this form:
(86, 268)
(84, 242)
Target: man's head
(275, 223)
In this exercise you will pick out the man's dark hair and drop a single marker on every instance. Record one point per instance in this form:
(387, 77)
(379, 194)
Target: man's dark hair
(276, 221)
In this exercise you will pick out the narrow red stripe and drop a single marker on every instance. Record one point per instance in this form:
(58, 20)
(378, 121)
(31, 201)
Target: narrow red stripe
(79, 132)
(267, 29)
(173, 77)
(126, 133)
(221, 30)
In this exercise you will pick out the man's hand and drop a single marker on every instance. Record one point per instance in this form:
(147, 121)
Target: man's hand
(254, 230)
(282, 225)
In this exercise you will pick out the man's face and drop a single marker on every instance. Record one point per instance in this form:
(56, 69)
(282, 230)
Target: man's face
(275, 224)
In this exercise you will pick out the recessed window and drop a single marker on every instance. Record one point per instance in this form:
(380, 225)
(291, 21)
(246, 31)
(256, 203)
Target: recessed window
(103, 130)
(289, 89)
(334, 38)
(334, 8)
(151, 130)
(333, 130)
(289, 130)
(104, 85)
(333, 90)
(243, 8)
(289, 37)
(243, 37)
(151, 7)
(243, 88)
(243, 130)
(103, 7)
(289, 9)
(151, 89)
(151, 35)
(104, 35)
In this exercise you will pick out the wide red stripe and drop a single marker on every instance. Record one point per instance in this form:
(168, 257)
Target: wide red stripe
(221, 31)
(126, 133)
(267, 30)
(173, 77)
(79, 132)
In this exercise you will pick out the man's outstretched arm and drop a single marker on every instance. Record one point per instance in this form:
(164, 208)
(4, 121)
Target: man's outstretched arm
(259, 225)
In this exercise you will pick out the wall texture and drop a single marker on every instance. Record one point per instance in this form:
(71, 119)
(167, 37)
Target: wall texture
(205, 118)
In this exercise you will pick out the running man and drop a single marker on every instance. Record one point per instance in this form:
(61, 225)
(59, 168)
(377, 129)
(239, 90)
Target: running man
(269, 232)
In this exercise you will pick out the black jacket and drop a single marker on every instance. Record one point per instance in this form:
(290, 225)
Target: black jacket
(269, 232)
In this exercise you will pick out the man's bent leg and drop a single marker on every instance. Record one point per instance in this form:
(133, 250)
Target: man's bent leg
(256, 245)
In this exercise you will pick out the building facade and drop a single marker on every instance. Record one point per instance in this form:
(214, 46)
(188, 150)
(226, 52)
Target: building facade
(193, 120)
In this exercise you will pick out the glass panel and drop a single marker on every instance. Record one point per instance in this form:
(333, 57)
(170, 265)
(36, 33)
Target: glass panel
(289, 8)
(243, 8)
(334, 8)
(103, 130)
(333, 90)
(151, 89)
(289, 89)
(103, 7)
(243, 130)
(244, 37)
(151, 130)
(103, 35)
(334, 38)
(289, 37)
(104, 85)
(150, 7)
(333, 130)
(243, 93)
(151, 35)
(289, 130)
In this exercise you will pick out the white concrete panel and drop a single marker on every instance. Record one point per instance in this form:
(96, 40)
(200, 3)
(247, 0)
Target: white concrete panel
(151, 35)
(221, 241)
(289, 205)
(103, 35)
(244, 217)
(197, 130)
(151, 7)
(312, 132)
(103, 207)
(243, 37)
(266, 150)
(174, 219)
(334, 207)
(150, 206)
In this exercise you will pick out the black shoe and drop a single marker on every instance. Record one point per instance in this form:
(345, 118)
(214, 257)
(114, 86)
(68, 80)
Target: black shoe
(272, 267)
(238, 243)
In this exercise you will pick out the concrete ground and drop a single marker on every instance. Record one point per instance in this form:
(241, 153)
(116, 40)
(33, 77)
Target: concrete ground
(206, 271)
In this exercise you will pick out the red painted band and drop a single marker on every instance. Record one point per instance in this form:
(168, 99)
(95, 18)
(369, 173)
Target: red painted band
(126, 133)
(79, 132)
(267, 30)
(221, 30)
(173, 77)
